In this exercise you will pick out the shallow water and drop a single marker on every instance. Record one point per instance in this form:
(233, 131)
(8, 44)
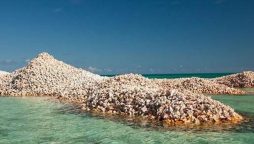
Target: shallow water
(36, 120)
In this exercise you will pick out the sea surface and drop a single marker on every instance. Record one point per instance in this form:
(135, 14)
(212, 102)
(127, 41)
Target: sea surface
(201, 75)
(170, 76)
(32, 120)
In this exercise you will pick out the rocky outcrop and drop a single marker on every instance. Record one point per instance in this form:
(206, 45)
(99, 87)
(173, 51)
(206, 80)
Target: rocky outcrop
(198, 85)
(239, 80)
(130, 94)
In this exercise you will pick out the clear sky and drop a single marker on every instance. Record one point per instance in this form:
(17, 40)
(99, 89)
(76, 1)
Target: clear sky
(122, 36)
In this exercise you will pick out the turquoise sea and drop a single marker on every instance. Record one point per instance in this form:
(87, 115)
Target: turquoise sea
(201, 75)
(37, 120)
(169, 76)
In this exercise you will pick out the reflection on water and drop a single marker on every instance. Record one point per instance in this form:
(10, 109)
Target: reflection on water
(35, 120)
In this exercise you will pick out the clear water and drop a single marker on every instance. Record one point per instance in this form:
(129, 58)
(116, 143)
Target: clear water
(36, 120)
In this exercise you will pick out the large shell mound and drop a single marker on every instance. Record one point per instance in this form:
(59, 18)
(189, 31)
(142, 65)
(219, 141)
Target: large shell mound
(198, 85)
(45, 75)
(128, 94)
(240, 80)
(170, 105)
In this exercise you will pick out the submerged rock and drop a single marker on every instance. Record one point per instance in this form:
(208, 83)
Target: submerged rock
(170, 101)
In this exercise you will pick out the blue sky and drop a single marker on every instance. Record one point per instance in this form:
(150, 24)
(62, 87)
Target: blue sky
(122, 36)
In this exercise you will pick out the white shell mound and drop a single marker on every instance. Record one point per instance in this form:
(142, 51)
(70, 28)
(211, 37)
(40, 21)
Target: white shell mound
(130, 94)
(199, 85)
(241, 80)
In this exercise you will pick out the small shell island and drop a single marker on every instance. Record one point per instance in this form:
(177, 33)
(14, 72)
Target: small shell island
(172, 101)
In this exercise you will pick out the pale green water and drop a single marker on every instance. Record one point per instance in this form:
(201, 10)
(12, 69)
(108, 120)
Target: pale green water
(35, 120)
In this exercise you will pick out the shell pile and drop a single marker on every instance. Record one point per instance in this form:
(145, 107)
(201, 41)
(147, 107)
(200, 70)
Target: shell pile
(177, 101)
(241, 80)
